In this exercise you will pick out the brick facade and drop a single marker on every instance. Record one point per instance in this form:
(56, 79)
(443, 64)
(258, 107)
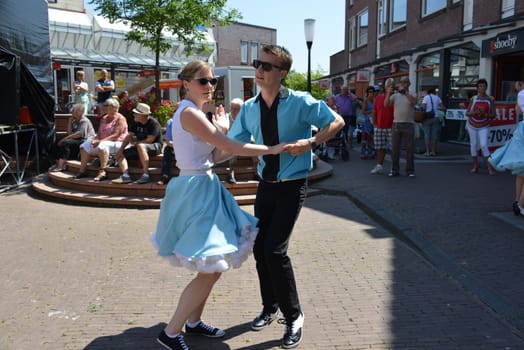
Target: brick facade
(228, 41)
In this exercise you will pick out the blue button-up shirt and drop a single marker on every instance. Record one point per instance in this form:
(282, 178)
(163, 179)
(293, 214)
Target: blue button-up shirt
(297, 112)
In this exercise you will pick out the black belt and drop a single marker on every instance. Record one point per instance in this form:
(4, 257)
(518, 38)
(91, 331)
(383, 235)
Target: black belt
(280, 181)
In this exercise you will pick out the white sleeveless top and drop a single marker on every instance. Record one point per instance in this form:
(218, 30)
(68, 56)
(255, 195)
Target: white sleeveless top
(191, 152)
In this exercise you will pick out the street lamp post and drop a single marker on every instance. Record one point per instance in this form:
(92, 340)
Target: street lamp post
(309, 31)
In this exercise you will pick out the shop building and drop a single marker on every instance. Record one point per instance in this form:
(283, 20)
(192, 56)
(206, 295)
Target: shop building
(443, 44)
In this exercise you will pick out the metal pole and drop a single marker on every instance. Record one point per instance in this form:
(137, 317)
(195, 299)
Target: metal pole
(309, 44)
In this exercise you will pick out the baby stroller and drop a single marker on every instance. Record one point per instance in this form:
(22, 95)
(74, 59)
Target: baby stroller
(337, 145)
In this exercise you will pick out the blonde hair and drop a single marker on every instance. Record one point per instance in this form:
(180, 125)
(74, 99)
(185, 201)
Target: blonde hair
(192, 68)
(113, 102)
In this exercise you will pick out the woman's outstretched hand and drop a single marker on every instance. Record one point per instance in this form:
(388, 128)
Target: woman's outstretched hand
(277, 149)
(220, 119)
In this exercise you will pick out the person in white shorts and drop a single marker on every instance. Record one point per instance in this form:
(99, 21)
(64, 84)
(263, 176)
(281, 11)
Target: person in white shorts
(111, 132)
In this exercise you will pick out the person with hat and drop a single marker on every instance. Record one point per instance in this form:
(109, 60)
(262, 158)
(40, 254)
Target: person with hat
(144, 139)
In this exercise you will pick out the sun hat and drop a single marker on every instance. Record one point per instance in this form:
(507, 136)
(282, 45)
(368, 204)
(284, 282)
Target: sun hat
(142, 108)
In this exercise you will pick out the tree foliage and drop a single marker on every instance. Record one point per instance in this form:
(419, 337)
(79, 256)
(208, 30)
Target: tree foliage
(298, 81)
(150, 20)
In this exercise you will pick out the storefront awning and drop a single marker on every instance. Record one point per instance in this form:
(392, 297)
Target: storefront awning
(83, 38)
(89, 57)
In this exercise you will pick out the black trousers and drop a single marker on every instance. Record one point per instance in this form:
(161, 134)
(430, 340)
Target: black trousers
(69, 149)
(277, 206)
(167, 160)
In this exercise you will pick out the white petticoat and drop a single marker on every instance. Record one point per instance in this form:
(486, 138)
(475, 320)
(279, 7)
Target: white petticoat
(201, 227)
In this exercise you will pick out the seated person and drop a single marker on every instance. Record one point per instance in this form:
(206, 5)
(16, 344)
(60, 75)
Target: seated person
(112, 130)
(79, 129)
(168, 152)
(145, 138)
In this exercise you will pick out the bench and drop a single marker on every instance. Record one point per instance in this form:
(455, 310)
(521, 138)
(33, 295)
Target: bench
(62, 121)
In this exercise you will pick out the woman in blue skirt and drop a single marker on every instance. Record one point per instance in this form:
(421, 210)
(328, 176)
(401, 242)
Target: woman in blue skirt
(200, 225)
(511, 155)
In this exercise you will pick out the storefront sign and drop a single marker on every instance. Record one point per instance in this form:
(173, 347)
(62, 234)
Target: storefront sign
(170, 84)
(456, 114)
(323, 84)
(501, 128)
(147, 73)
(362, 75)
(503, 43)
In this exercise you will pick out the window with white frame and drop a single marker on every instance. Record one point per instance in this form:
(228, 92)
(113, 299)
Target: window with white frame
(398, 14)
(254, 51)
(362, 28)
(382, 17)
(243, 51)
(432, 6)
(468, 15)
(508, 8)
(352, 33)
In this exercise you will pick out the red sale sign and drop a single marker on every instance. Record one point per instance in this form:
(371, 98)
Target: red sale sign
(502, 127)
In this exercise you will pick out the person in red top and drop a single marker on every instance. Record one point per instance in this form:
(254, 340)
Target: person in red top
(382, 119)
(480, 111)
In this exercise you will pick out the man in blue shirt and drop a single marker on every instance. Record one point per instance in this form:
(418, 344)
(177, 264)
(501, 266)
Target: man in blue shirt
(346, 103)
(104, 89)
(275, 115)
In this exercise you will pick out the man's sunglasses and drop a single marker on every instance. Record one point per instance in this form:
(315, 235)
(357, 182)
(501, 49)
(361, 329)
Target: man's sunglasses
(266, 66)
(205, 81)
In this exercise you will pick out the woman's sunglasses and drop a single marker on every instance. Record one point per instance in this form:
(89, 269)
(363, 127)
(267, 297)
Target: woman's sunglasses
(205, 81)
(266, 66)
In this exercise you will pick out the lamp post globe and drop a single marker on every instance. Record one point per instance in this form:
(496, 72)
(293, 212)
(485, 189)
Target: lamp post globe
(309, 31)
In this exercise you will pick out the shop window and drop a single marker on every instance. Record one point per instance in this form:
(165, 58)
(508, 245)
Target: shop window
(432, 6)
(243, 52)
(362, 29)
(398, 14)
(464, 71)
(428, 72)
(336, 85)
(382, 17)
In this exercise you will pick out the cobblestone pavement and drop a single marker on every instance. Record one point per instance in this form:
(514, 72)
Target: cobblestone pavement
(427, 263)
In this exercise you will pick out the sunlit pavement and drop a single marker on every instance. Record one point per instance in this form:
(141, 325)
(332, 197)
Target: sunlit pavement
(433, 262)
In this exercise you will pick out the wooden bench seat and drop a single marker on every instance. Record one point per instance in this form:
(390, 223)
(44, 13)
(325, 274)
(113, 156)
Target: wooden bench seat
(62, 121)
(244, 169)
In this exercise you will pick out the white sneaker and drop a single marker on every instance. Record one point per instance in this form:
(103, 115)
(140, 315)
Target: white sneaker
(378, 169)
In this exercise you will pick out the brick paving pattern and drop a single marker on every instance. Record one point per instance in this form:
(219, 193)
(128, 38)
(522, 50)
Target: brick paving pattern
(380, 263)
